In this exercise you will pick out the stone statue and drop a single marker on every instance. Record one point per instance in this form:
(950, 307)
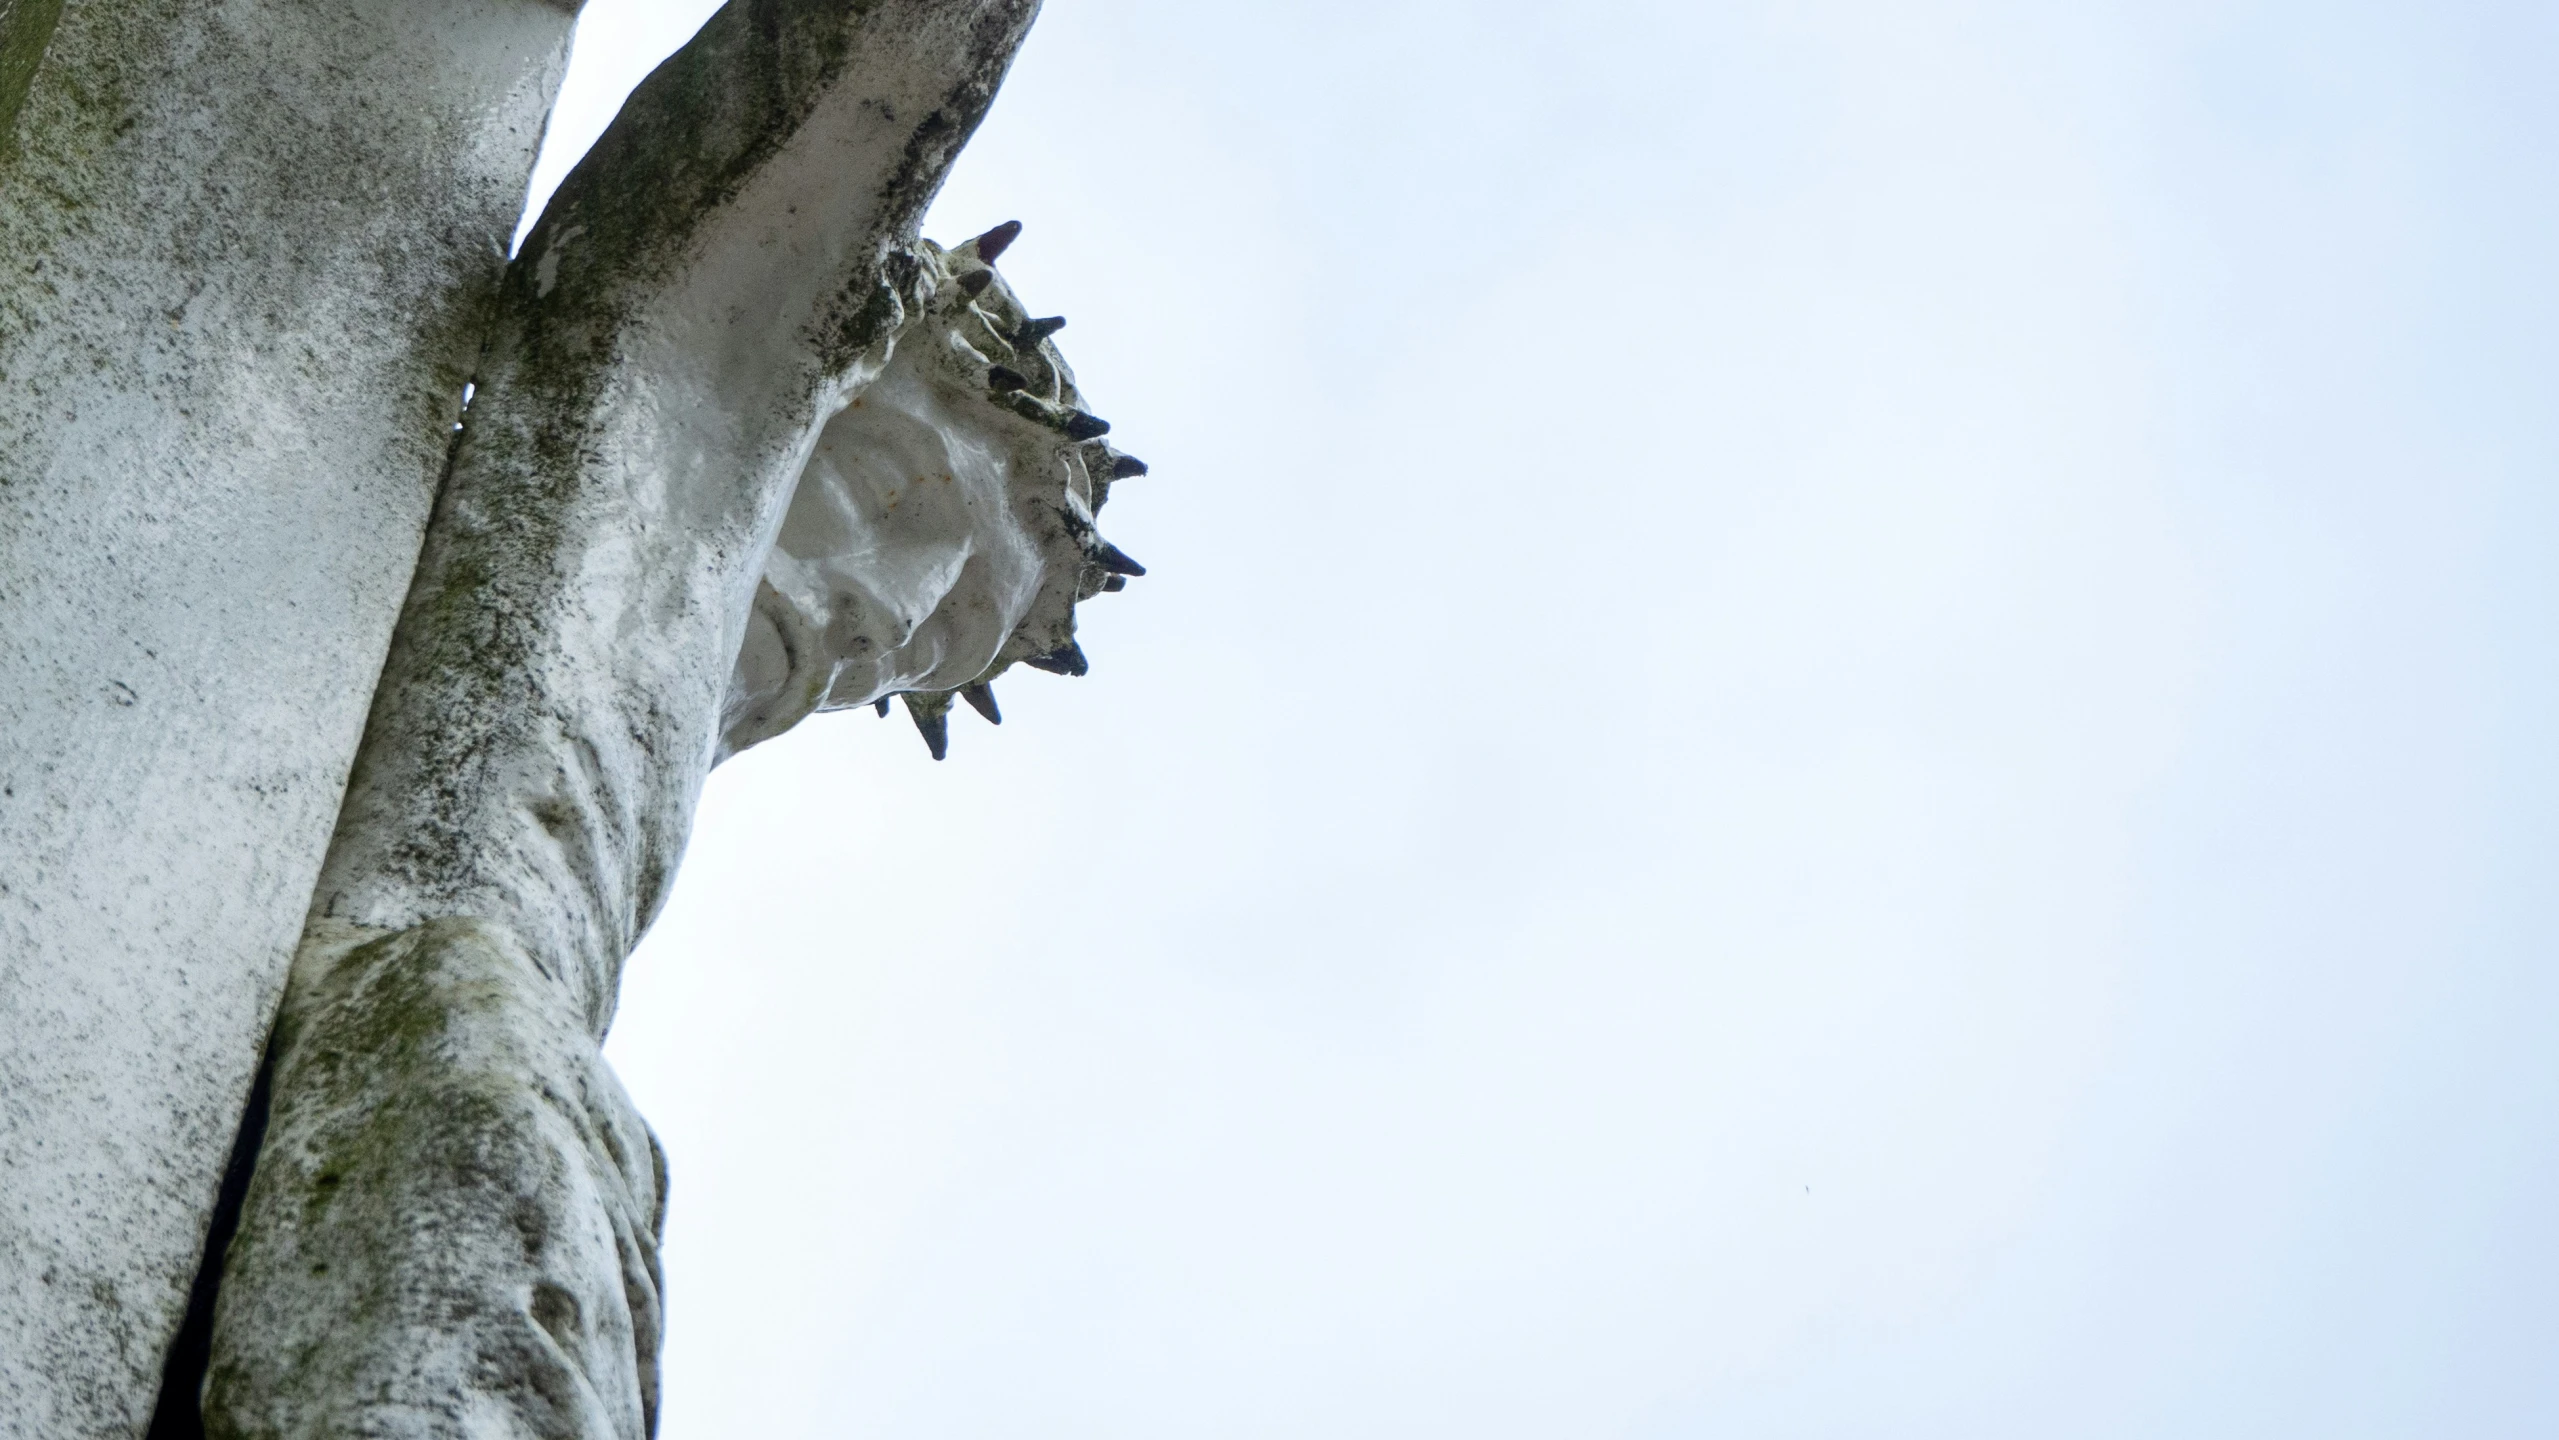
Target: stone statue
(738, 446)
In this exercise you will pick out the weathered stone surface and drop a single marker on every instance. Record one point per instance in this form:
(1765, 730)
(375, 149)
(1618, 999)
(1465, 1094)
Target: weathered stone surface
(734, 266)
(454, 1227)
(743, 447)
(246, 250)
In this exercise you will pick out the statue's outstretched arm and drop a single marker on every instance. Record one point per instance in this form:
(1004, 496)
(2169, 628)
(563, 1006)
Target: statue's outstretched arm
(730, 265)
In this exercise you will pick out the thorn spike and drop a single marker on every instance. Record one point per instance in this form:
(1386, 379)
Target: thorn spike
(1115, 583)
(1034, 331)
(1126, 467)
(934, 724)
(981, 699)
(1004, 381)
(994, 242)
(1081, 425)
(974, 283)
(882, 706)
(1114, 559)
(1066, 659)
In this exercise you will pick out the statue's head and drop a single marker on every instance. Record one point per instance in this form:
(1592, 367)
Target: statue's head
(942, 531)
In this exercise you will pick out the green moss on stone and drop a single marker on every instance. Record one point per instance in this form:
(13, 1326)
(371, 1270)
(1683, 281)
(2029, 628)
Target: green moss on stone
(25, 28)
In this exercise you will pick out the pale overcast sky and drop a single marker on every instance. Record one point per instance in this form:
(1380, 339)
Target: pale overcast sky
(1842, 729)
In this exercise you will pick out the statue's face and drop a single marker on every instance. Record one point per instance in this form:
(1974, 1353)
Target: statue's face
(902, 564)
(941, 529)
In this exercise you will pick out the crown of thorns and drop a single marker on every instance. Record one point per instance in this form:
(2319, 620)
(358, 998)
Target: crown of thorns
(1013, 356)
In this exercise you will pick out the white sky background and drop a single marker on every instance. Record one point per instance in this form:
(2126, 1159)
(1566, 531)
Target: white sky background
(1844, 729)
